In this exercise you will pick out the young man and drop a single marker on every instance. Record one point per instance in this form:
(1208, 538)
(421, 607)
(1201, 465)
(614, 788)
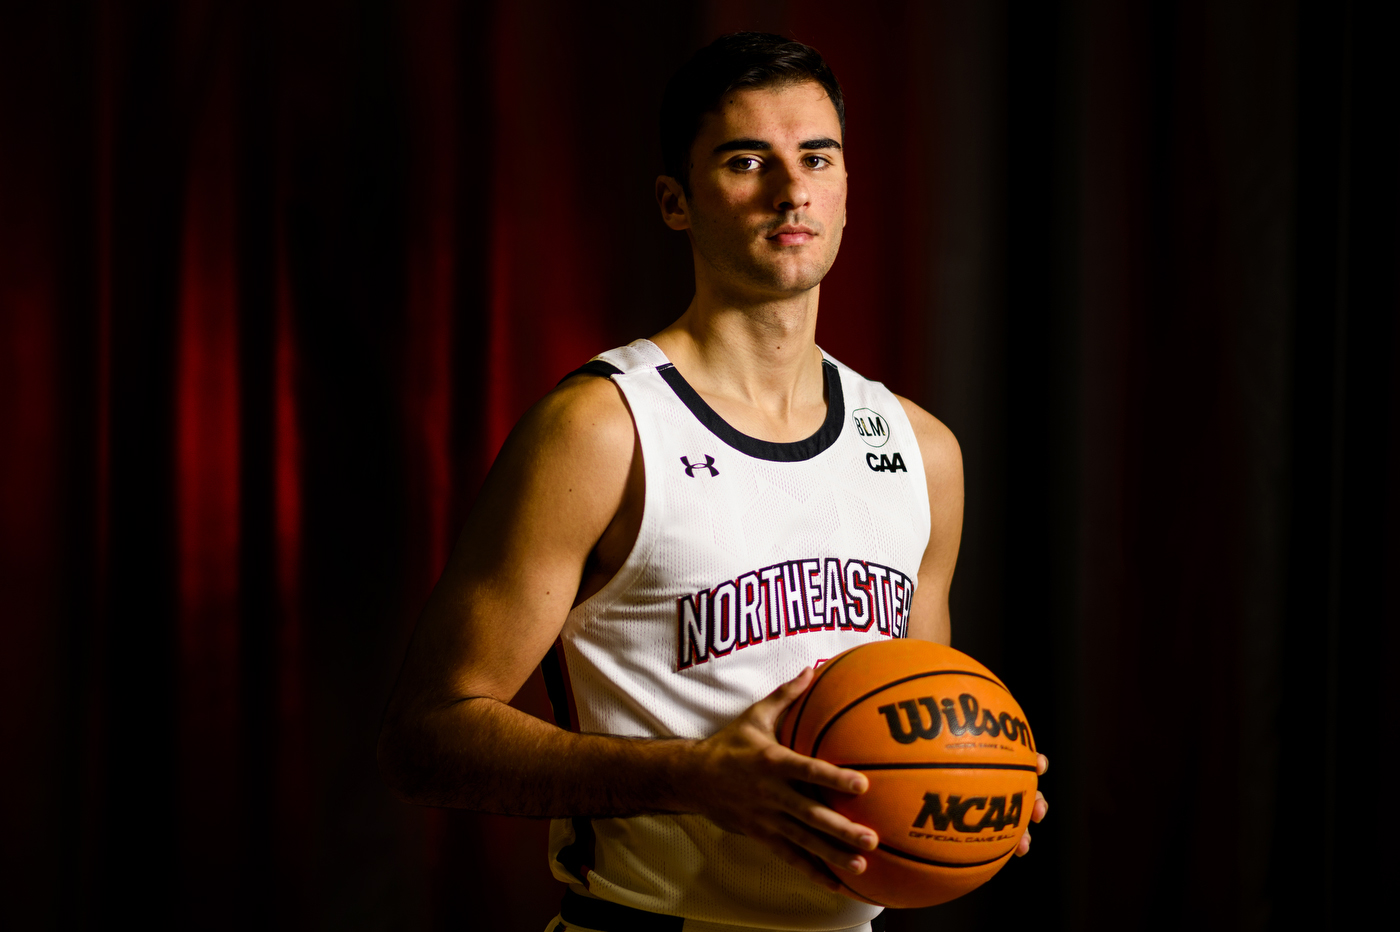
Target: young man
(695, 521)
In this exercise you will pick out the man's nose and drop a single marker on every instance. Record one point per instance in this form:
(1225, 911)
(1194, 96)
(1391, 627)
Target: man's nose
(790, 192)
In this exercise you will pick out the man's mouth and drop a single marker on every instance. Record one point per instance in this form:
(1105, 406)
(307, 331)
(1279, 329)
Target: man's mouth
(792, 234)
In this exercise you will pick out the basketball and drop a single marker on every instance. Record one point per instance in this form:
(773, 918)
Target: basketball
(950, 759)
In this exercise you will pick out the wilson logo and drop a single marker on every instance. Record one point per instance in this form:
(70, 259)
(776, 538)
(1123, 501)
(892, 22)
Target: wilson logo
(997, 813)
(922, 720)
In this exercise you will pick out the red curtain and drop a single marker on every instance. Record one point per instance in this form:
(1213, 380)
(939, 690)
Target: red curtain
(277, 279)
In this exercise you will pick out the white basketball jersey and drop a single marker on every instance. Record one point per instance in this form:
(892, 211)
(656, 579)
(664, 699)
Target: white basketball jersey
(753, 561)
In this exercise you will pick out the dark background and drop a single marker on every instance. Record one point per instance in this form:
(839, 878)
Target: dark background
(276, 279)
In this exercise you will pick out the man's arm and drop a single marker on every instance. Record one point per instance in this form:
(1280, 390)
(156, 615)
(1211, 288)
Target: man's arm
(929, 618)
(560, 487)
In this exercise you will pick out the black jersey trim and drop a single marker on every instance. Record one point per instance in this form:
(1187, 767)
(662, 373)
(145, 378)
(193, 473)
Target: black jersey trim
(793, 452)
(555, 688)
(579, 856)
(593, 367)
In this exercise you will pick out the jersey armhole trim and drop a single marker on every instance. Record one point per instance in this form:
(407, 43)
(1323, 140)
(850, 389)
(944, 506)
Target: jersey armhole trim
(593, 367)
(647, 535)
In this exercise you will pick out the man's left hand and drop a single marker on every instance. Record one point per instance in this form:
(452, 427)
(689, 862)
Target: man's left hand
(1038, 811)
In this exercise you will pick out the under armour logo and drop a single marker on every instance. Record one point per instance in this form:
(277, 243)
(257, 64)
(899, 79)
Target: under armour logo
(691, 467)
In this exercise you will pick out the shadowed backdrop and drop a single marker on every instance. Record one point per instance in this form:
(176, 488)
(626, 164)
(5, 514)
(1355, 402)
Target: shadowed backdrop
(276, 279)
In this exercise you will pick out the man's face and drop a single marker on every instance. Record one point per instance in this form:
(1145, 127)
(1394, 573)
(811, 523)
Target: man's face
(767, 200)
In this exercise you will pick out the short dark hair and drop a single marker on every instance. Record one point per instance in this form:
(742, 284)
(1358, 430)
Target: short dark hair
(739, 60)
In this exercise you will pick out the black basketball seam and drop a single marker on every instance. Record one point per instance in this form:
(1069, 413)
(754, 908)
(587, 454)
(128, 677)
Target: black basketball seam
(864, 896)
(792, 744)
(832, 721)
(890, 849)
(938, 766)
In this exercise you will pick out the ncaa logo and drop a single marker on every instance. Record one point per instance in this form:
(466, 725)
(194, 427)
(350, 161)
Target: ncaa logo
(871, 427)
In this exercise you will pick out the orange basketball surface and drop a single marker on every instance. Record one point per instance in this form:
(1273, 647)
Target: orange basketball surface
(949, 756)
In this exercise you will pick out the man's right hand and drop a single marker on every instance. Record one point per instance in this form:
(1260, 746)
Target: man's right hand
(746, 785)
(559, 492)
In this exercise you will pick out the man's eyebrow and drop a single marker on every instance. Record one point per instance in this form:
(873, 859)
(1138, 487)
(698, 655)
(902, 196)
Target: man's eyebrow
(758, 145)
(735, 145)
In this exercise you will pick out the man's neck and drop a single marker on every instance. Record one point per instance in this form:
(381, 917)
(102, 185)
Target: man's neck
(757, 363)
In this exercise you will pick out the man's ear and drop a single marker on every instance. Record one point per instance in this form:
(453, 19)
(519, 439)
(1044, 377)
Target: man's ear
(670, 197)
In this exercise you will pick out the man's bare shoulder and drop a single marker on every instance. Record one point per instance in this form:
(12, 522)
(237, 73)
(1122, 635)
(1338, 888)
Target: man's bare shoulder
(555, 486)
(937, 444)
(584, 417)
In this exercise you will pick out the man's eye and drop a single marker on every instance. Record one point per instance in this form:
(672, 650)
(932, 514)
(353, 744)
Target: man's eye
(744, 163)
(815, 161)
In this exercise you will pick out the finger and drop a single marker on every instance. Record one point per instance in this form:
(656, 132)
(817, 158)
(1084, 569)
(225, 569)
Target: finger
(1024, 846)
(771, 706)
(1042, 763)
(828, 821)
(817, 844)
(809, 868)
(793, 687)
(794, 766)
(1040, 808)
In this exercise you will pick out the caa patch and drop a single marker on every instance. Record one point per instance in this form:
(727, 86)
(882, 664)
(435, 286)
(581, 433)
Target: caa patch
(885, 462)
(871, 426)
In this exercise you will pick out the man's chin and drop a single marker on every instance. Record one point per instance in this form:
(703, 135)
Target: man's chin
(794, 285)
(787, 281)
(762, 278)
